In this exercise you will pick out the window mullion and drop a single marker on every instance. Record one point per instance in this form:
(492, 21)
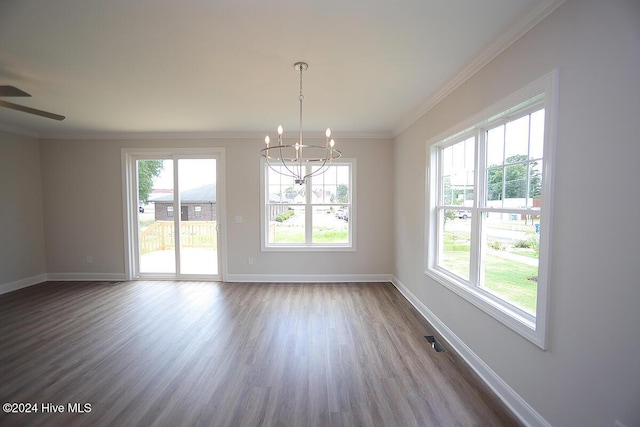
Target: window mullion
(439, 213)
(308, 210)
(528, 176)
(476, 220)
(439, 184)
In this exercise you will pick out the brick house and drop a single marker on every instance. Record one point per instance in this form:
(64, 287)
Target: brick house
(197, 204)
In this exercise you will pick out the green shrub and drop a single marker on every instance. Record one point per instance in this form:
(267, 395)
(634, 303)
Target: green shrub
(496, 245)
(524, 244)
(534, 240)
(285, 215)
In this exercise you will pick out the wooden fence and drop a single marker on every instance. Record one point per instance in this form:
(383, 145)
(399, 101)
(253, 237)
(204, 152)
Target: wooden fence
(193, 234)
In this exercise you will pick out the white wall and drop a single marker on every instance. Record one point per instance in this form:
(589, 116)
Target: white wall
(22, 256)
(83, 209)
(590, 375)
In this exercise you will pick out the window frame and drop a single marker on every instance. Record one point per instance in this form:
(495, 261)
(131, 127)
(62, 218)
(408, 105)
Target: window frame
(540, 94)
(308, 245)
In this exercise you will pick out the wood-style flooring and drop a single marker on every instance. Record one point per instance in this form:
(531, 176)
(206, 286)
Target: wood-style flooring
(149, 353)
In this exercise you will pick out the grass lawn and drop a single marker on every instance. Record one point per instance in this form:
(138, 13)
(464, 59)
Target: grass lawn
(529, 253)
(296, 235)
(508, 278)
(331, 236)
(512, 280)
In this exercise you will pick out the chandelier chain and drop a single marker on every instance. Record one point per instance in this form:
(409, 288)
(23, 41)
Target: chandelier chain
(301, 97)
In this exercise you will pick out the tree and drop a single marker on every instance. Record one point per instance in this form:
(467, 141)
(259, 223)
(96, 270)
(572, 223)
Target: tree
(147, 170)
(514, 175)
(291, 193)
(343, 194)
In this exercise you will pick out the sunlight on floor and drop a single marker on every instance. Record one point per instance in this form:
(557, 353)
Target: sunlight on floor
(193, 261)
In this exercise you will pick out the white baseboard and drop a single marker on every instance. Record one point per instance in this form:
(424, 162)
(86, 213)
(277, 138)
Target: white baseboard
(517, 404)
(309, 278)
(66, 277)
(89, 277)
(22, 283)
(268, 278)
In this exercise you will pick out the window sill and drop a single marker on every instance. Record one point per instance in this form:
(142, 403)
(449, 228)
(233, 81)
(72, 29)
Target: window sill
(306, 248)
(514, 320)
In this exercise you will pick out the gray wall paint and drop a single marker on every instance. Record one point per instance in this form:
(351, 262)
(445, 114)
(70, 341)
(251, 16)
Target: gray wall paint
(22, 253)
(83, 208)
(590, 375)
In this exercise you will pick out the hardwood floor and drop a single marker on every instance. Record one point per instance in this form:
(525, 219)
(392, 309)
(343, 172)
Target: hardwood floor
(230, 354)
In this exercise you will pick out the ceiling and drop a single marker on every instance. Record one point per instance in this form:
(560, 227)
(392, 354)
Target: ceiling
(208, 67)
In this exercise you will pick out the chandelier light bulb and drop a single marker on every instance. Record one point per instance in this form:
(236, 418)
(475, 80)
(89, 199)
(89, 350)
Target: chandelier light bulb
(332, 143)
(328, 132)
(280, 130)
(267, 140)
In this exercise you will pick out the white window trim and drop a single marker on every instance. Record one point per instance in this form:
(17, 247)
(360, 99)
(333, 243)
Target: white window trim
(533, 329)
(312, 247)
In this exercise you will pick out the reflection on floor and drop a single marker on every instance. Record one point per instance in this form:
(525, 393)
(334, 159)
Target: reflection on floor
(192, 261)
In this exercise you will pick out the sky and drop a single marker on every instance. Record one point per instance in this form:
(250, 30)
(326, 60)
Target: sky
(193, 173)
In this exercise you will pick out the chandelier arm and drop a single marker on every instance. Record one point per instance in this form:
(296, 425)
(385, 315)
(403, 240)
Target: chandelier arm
(334, 154)
(284, 163)
(325, 167)
(320, 170)
(271, 166)
(265, 154)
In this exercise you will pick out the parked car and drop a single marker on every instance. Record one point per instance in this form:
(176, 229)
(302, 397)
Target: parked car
(342, 214)
(463, 214)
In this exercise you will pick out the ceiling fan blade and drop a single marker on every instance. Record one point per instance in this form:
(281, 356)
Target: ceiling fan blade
(12, 91)
(31, 110)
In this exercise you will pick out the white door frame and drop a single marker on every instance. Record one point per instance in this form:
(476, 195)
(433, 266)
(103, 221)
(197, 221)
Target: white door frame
(130, 203)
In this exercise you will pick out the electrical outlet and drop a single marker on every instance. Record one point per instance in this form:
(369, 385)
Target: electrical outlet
(89, 259)
(250, 260)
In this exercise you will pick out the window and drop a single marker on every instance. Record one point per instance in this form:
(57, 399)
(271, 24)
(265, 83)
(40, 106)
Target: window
(170, 211)
(316, 215)
(489, 211)
(198, 211)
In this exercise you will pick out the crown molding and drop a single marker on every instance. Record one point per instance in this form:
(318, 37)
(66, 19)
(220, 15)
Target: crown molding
(156, 135)
(519, 29)
(252, 135)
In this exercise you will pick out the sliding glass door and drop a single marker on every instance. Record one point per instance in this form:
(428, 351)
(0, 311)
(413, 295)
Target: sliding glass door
(198, 216)
(176, 231)
(156, 226)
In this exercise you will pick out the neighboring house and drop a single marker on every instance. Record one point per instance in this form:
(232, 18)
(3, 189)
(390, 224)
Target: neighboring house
(197, 204)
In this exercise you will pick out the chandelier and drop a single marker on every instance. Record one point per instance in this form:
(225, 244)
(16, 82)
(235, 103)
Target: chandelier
(292, 160)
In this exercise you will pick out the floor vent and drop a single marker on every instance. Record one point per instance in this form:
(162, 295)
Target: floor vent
(435, 344)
